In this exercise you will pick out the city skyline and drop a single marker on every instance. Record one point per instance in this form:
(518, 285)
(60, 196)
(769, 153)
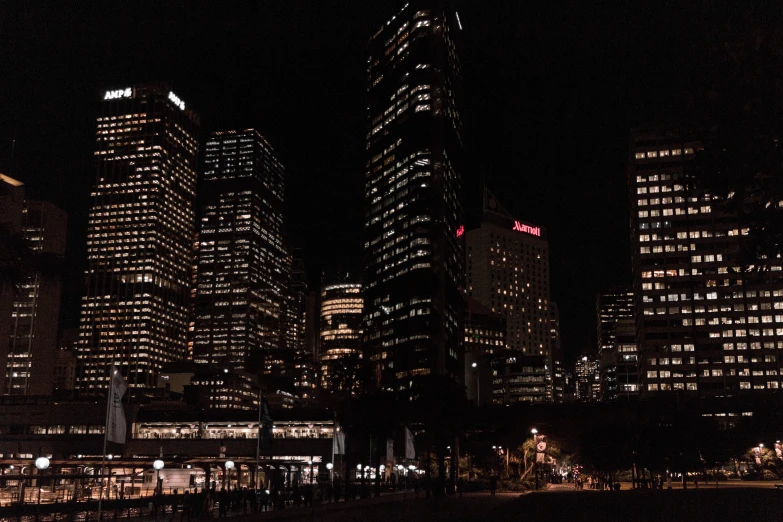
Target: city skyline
(550, 148)
(284, 255)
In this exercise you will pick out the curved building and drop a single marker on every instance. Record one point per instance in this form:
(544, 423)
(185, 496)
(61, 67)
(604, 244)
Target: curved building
(340, 351)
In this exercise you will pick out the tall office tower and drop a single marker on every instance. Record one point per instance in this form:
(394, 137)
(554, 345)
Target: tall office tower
(615, 309)
(242, 272)
(295, 311)
(28, 346)
(508, 272)
(558, 373)
(587, 379)
(312, 338)
(140, 237)
(414, 244)
(706, 325)
(340, 354)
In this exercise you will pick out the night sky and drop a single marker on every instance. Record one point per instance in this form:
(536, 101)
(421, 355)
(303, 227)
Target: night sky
(551, 94)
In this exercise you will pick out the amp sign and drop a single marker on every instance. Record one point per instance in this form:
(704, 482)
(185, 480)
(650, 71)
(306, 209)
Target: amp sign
(118, 93)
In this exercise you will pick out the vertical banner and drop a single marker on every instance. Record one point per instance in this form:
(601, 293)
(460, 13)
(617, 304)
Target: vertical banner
(389, 449)
(265, 430)
(338, 443)
(116, 427)
(410, 450)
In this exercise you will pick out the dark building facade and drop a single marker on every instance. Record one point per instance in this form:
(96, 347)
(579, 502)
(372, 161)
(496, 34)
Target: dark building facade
(619, 367)
(520, 378)
(140, 234)
(242, 275)
(295, 311)
(615, 317)
(558, 371)
(340, 352)
(414, 224)
(28, 346)
(706, 325)
(485, 341)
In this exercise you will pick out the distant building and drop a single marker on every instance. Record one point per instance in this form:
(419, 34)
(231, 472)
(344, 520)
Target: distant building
(64, 379)
(241, 297)
(615, 317)
(210, 387)
(518, 377)
(294, 366)
(340, 346)
(485, 341)
(558, 372)
(140, 234)
(587, 379)
(485, 330)
(295, 309)
(29, 313)
(508, 272)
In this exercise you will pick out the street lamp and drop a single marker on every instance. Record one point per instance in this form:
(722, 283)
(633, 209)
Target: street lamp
(158, 465)
(478, 384)
(330, 467)
(41, 463)
(229, 467)
(535, 456)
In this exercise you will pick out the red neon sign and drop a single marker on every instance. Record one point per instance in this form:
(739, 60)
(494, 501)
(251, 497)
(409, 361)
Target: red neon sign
(527, 229)
(460, 230)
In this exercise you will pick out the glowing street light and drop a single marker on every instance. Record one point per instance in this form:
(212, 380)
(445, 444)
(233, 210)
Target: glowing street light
(158, 465)
(229, 466)
(41, 463)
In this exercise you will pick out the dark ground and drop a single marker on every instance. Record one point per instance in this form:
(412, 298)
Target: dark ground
(691, 505)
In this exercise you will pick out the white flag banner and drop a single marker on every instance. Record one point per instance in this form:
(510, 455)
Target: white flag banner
(115, 425)
(338, 443)
(410, 451)
(389, 449)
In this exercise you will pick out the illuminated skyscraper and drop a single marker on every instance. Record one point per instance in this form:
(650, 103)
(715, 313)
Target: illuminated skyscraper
(243, 266)
(29, 312)
(508, 272)
(706, 325)
(414, 249)
(140, 236)
(340, 353)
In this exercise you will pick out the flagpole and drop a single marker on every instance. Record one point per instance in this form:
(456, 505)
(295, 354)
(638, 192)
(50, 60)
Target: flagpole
(258, 438)
(105, 440)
